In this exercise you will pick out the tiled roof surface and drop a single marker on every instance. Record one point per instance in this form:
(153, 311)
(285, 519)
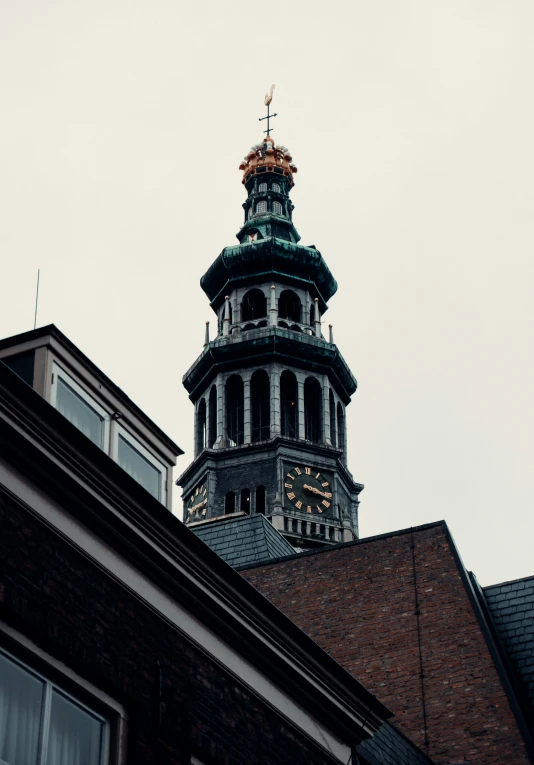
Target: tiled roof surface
(245, 540)
(389, 747)
(512, 607)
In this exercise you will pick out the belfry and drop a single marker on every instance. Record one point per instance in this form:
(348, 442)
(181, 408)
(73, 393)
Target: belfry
(270, 390)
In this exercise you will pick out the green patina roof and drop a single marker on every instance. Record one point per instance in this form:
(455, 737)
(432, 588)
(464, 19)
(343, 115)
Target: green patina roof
(269, 257)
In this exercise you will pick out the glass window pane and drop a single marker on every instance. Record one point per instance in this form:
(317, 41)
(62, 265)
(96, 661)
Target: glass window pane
(139, 468)
(75, 736)
(21, 697)
(80, 413)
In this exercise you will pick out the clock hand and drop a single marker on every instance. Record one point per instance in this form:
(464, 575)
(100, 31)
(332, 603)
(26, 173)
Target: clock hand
(197, 507)
(325, 494)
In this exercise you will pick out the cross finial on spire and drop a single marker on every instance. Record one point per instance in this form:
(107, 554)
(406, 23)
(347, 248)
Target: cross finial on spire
(268, 99)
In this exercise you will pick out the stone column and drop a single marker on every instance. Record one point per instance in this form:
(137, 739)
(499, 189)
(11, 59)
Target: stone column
(273, 310)
(274, 379)
(207, 335)
(226, 320)
(195, 430)
(301, 428)
(326, 411)
(330, 334)
(208, 418)
(317, 319)
(247, 411)
(221, 414)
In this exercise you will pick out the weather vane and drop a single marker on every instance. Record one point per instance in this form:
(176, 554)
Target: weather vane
(268, 99)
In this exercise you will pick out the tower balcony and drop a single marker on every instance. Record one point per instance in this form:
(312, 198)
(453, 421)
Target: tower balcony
(291, 347)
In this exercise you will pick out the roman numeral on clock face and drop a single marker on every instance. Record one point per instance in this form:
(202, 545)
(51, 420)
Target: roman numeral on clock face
(307, 471)
(291, 495)
(291, 476)
(325, 483)
(325, 503)
(298, 471)
(298, 505)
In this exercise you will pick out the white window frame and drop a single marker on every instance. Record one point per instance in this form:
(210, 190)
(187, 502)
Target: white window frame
(277, 208)
(263, 205)
(59, 372)
(262, 188)
(276, 187)
(134, 442)
(46, 705)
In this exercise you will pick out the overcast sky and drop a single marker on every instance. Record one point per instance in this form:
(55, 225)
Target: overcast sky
(122, 127)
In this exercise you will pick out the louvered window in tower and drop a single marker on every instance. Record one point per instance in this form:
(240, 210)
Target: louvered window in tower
(277, 208)
(261, 207)
(262, 188)
(276, 187)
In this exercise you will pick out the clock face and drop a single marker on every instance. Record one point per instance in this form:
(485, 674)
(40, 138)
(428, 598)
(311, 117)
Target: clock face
(308, 490)
(197, 504)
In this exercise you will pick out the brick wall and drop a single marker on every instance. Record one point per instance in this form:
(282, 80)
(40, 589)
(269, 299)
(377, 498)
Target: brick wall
(358, 603)
(74, 611)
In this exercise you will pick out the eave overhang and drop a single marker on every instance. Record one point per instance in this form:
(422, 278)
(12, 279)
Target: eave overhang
(269, 258)
(260, 346)
(208, 458)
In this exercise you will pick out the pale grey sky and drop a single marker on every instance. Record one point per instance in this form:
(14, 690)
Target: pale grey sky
(122, 127)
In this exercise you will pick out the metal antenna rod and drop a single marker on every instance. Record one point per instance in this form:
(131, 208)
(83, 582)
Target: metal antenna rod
(36, 298)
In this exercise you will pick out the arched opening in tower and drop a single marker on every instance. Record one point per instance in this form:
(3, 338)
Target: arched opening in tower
(253, 305)
(212, 435)
(260, 406)
(260, 500)
(312, 315)
(234, 411)
(313, 410)
(340, 427)
(289, 404)
(201, 426)
(289, 306)
(333, 430)
(229, 503)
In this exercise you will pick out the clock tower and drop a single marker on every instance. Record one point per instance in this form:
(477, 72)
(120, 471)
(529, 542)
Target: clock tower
(270, 390)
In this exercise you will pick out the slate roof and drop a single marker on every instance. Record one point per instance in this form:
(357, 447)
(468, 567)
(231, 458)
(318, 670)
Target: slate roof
(389, 747)
(511, 605)
(245, 540)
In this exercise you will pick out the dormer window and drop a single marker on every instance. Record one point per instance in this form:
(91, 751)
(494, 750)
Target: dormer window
(276, 187)
(261, 207)
(139, 463)
(277, 208)
(262, 188)
(79, 407)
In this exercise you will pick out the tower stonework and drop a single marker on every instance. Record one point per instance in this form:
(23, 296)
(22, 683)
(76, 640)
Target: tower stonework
(270, 391)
